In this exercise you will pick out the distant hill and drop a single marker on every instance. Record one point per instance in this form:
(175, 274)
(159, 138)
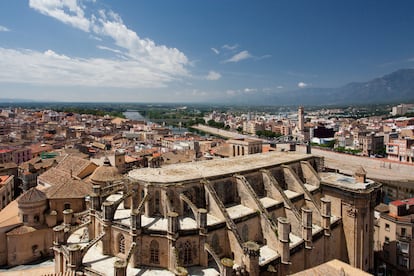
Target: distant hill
(392, 88)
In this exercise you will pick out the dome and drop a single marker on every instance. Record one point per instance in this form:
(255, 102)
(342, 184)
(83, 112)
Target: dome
(32, 196)
(105, 173)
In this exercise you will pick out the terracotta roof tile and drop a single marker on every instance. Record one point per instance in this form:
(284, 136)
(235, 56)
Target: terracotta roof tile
(73, 164)
(9, 215)
(70, 189)
(32, 195)
(21, 230)
(54, 176)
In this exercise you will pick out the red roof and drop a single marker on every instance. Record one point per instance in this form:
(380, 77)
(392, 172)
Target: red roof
(409, 201)
(3, 178)
(5, 150)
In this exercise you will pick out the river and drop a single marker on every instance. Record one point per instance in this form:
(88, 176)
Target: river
(134, 115)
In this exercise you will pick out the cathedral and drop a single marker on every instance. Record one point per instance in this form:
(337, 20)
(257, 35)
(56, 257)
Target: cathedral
(264, 214)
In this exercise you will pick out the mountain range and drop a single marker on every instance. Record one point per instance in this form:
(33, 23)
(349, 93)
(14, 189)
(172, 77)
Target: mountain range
(395, 87)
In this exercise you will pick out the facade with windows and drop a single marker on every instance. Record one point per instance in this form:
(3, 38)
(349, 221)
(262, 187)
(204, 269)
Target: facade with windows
(401, 150)
(264, 214)
(394, 244)
(240, 147)
(6, 190)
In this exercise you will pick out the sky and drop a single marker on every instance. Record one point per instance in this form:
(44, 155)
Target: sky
(196, 51)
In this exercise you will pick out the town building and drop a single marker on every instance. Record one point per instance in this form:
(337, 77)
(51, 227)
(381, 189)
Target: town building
(402, 109)
(26, 223)
(401, 149)
(240, 147)
(372, 144)
(263, 214)
(394, 243)
(6, 190)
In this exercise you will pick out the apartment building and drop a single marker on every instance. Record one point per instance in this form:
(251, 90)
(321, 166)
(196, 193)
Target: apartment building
(393, 237)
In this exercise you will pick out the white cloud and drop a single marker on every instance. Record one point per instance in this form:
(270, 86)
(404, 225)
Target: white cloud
(4, 29)
(213, 75)
(109, 49)
(302, 84)
(215, 51)
(230, 47)
(280, 87)
(67, 11)
(50, 68)
(157, 57)
(239, 57)
(140, 59)
(250, 90)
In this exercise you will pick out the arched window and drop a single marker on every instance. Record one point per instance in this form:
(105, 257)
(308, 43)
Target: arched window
(66, 206)
(121, 244)
(187, 257)
(154, 252)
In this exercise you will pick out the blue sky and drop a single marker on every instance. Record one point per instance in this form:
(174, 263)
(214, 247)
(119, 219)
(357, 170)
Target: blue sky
(192, 51)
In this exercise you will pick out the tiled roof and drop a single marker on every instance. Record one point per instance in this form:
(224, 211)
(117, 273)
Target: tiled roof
(9, 215)
(54, 176)
(21, 230)
(106, 173)
(409, 201)
(37, 163)
(69, 189)
(3, 178)
(32, 195)
(73, 164)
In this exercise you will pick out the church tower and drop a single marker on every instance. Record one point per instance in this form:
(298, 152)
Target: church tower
(301, 119)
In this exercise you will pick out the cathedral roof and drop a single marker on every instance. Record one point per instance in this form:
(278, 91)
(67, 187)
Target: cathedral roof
(106, 173)
(32, 195)
(72, 188)
(74, 165)
(54, 176)
(21, 230)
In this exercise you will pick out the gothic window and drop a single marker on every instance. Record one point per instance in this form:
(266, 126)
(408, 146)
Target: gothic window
(245, 232)
(154, 252)
(187, 254)
(121, 244)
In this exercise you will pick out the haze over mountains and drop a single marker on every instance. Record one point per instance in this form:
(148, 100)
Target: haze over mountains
(395, 87)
